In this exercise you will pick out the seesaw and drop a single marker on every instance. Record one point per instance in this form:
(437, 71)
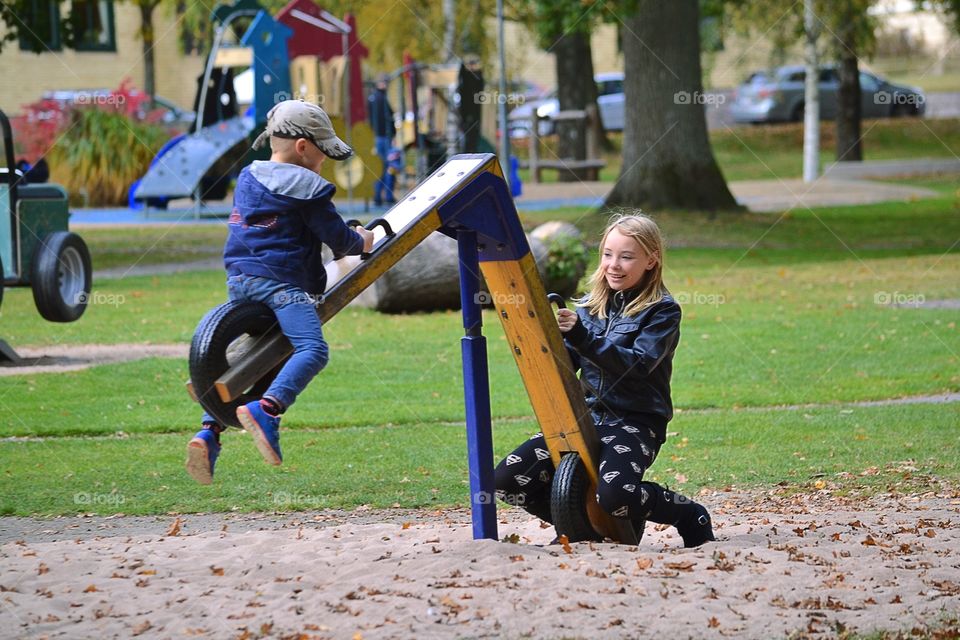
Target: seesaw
(237, 348)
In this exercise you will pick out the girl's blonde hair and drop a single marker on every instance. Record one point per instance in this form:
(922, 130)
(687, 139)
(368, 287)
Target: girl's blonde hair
(650, 289)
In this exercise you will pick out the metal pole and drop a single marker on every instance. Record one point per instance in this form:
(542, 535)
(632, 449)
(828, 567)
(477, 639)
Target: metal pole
(347, 118)
(502, 98)
(811, 101)
(476, 392)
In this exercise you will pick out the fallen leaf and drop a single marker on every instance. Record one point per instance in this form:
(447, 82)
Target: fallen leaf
(565, 544)
(142, 627)
(713, 623)
(686, 565)
(644, 563)
(174, 529)
(217, 571)
(91, 589)
(42, 569)
(930, 533)
(405, 526)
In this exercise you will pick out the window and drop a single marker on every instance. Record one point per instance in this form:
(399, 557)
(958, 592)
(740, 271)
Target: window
(92, 24)
(40, 30)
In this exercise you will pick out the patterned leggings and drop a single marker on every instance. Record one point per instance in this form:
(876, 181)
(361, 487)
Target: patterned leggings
(524, 477)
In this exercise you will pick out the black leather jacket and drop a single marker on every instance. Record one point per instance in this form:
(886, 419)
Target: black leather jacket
(625, 362)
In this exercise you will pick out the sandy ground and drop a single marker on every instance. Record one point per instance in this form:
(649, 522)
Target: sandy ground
(73, 357)
(801, 566)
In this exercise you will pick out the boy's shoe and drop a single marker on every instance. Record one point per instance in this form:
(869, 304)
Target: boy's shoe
(202, 452)
(264, 428)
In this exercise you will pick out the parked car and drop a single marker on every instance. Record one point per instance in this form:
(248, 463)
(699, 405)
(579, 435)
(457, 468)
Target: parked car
(778, 96)
(609, 102)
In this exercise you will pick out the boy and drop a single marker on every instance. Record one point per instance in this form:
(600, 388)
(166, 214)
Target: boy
(282, 213)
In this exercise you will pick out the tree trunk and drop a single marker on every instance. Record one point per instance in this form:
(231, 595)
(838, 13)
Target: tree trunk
(147, 38)
(575, 90)
(849, 147)
(667, 159)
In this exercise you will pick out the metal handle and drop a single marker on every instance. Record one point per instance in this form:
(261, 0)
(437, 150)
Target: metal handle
(557, 299)
(370, 226)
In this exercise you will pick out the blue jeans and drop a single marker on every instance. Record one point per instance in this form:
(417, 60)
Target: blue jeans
(298, 320)
(383, 189)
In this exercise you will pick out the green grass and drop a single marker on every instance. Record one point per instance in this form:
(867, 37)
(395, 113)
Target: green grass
(855, 449)
(778, 310)
(776, 151)
(124, 246)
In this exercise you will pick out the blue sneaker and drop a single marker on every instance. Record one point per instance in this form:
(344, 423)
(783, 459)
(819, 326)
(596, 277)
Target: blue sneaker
(264, 428)
(202, 454)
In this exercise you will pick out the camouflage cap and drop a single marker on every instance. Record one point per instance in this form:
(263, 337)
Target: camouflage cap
(298, 119)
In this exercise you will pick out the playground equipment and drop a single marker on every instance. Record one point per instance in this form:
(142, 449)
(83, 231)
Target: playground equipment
(238, 349)
(37, 249)
(290, 57)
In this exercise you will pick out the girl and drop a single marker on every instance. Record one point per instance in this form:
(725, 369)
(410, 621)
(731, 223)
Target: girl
(622, 338)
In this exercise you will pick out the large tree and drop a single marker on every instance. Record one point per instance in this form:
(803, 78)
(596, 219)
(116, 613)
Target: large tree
(563, 28)
(667, 159)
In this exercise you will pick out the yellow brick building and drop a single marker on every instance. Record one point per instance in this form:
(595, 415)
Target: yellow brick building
(112, 52)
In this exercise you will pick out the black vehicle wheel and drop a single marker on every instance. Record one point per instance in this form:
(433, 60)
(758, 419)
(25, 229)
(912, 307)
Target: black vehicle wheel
(61, 276)
(568, 500)
(903, 111)
(222, 338)
(797, 114)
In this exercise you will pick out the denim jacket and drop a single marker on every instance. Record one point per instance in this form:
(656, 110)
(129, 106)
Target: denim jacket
(626, 362)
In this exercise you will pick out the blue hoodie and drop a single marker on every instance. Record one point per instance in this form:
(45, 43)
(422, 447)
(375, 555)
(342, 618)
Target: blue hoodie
(282, 213)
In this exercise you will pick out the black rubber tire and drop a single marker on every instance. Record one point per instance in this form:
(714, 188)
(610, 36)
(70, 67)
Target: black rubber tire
(210, 354)
(568, 500)
(797, 114)
(61, 276)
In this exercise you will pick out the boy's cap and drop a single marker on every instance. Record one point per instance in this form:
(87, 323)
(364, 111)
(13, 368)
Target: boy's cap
(298, 119)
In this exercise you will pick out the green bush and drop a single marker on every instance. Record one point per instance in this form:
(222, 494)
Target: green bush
(101, 153)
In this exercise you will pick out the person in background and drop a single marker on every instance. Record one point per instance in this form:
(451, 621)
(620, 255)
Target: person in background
(380, 115)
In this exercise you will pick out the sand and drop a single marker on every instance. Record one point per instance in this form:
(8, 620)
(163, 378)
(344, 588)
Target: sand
(811, 565)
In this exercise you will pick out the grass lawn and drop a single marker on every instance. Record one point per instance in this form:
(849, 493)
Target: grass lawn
(776, 151)
(814, 308)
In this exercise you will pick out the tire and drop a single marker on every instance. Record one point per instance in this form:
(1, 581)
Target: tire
(797, 114)
(223, 336)
(61, 276)
(568, 500)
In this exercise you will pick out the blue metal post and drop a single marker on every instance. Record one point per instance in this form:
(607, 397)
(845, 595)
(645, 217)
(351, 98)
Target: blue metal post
(476, 392)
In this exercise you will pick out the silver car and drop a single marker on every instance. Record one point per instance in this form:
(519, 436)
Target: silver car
(609, 102)
(778, 96)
